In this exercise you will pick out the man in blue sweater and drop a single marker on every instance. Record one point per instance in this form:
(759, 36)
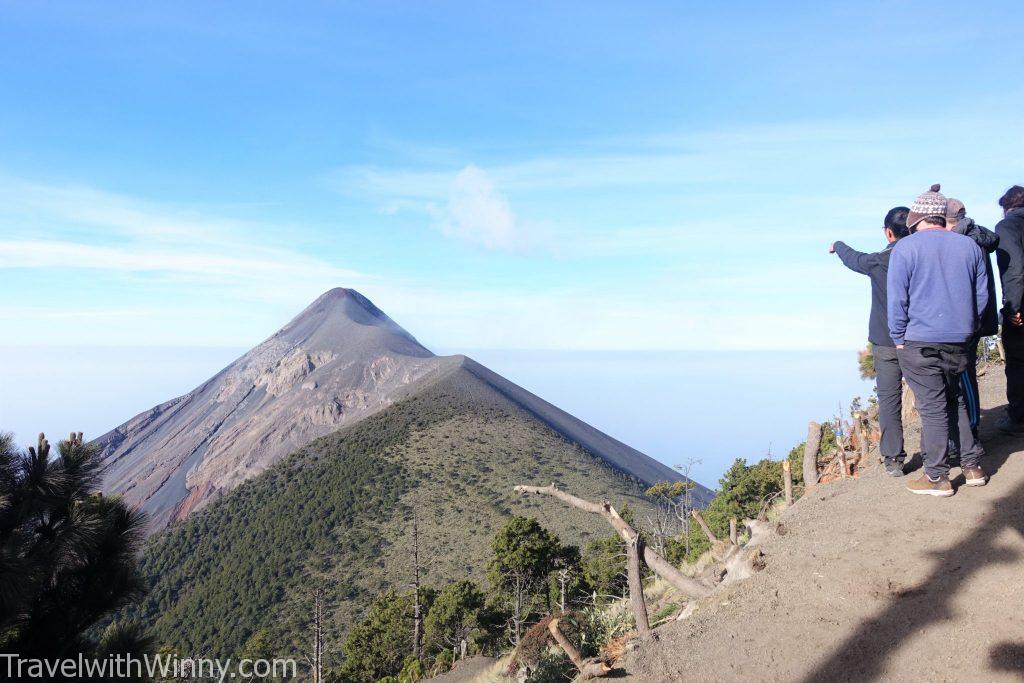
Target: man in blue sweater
(888, 376)
(937, 292)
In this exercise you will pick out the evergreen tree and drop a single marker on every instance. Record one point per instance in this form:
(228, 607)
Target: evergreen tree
(525, 554)
(67, 554)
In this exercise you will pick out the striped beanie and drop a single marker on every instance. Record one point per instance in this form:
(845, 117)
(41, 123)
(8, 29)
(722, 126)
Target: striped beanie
(931, 203)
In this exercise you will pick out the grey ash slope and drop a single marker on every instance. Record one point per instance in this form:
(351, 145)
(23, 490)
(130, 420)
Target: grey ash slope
(336, 363)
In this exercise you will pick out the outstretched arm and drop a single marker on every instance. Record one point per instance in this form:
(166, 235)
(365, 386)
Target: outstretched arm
(857, 261)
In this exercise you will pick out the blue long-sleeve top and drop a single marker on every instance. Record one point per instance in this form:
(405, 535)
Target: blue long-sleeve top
(937, 288)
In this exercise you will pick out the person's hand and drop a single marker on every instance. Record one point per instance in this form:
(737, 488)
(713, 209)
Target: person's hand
(1016, 320)
(832, 248)
(899, 346)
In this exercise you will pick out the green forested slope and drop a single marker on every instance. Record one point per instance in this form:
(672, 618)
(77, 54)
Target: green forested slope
(337, 515)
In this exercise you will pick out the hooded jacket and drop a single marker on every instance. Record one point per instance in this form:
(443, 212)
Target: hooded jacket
(1010, 257)
(989, 242)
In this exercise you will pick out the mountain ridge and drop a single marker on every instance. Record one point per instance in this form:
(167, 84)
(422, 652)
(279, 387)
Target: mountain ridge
(337, 362)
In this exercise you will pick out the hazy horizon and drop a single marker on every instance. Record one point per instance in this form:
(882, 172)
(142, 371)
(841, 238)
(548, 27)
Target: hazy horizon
(714, 406)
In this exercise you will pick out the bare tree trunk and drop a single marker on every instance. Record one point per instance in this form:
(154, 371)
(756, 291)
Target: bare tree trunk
(636, 587)
(587, 668)
(787, 481)
(811, 449)
(563, 578)
(734, 535)
(517, 611)
(318, 636)
(656, 562)
(417, 616)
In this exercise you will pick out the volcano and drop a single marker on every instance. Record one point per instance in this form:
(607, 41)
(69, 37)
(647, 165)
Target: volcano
(338, 362)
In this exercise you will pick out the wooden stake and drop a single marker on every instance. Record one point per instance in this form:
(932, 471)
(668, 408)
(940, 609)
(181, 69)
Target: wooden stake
(811, 449)
(787, 481)
(636, 588)
(734, 535)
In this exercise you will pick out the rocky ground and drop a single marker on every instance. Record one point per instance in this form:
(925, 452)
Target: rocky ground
(872, 583)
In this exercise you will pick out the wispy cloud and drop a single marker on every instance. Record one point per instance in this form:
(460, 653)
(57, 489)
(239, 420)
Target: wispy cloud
(81, 228)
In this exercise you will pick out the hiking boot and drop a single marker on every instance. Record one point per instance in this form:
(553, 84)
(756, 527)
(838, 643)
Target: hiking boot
(925, 486)
(975, 476)
(893, 467)
(1008, 425)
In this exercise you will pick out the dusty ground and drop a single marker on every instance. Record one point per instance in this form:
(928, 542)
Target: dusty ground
(466, 670)
(872, 583)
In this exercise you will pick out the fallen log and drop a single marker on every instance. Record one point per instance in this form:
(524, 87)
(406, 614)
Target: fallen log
(588, 668)
(656, 562)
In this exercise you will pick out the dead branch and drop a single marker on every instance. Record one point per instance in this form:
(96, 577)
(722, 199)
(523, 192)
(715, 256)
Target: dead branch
(704, 526)
(588, 668)
(656, 562)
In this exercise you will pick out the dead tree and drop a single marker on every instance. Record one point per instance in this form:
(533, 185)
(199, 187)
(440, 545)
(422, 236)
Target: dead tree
(563, 579)
(656, 562)
(417, 614)
(588, 668)
(811, 449)
(686, 504)
(316, 658)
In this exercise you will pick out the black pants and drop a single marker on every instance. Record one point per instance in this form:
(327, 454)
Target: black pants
(889, 388)
(970, 399)
(933, 372)
(1013, 347)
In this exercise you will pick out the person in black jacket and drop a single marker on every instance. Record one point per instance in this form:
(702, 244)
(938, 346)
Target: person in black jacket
(957, 221)
(888, 376)
(1010, 257)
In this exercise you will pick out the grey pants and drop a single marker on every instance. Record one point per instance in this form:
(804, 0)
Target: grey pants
(889, 388)
(933, 372)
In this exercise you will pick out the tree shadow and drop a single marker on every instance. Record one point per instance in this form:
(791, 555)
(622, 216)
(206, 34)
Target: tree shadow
(1007, 657)
(863, 655)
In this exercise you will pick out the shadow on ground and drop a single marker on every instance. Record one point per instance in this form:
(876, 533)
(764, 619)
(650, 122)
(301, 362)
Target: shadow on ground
(863, 655)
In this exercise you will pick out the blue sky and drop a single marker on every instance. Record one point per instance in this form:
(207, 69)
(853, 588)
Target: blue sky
(494, 175)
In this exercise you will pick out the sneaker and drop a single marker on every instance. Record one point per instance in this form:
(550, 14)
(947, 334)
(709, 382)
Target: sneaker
(925, 486)
(1008, 425)
(893, 467)
(975, 476)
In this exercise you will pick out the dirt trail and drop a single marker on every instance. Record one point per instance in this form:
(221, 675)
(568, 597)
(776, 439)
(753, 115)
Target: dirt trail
(872, 583)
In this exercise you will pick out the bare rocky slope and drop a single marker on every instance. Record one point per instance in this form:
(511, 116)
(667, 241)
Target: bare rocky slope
(338, 362)
(872, 583)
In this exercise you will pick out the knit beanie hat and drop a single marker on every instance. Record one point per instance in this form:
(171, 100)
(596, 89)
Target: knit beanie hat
(931, 203)
(953, 209)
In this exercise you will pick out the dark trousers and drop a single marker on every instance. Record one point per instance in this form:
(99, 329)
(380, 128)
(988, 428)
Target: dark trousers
(933, 372)
(889, 388)
(1013, 347)
(970, 399)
